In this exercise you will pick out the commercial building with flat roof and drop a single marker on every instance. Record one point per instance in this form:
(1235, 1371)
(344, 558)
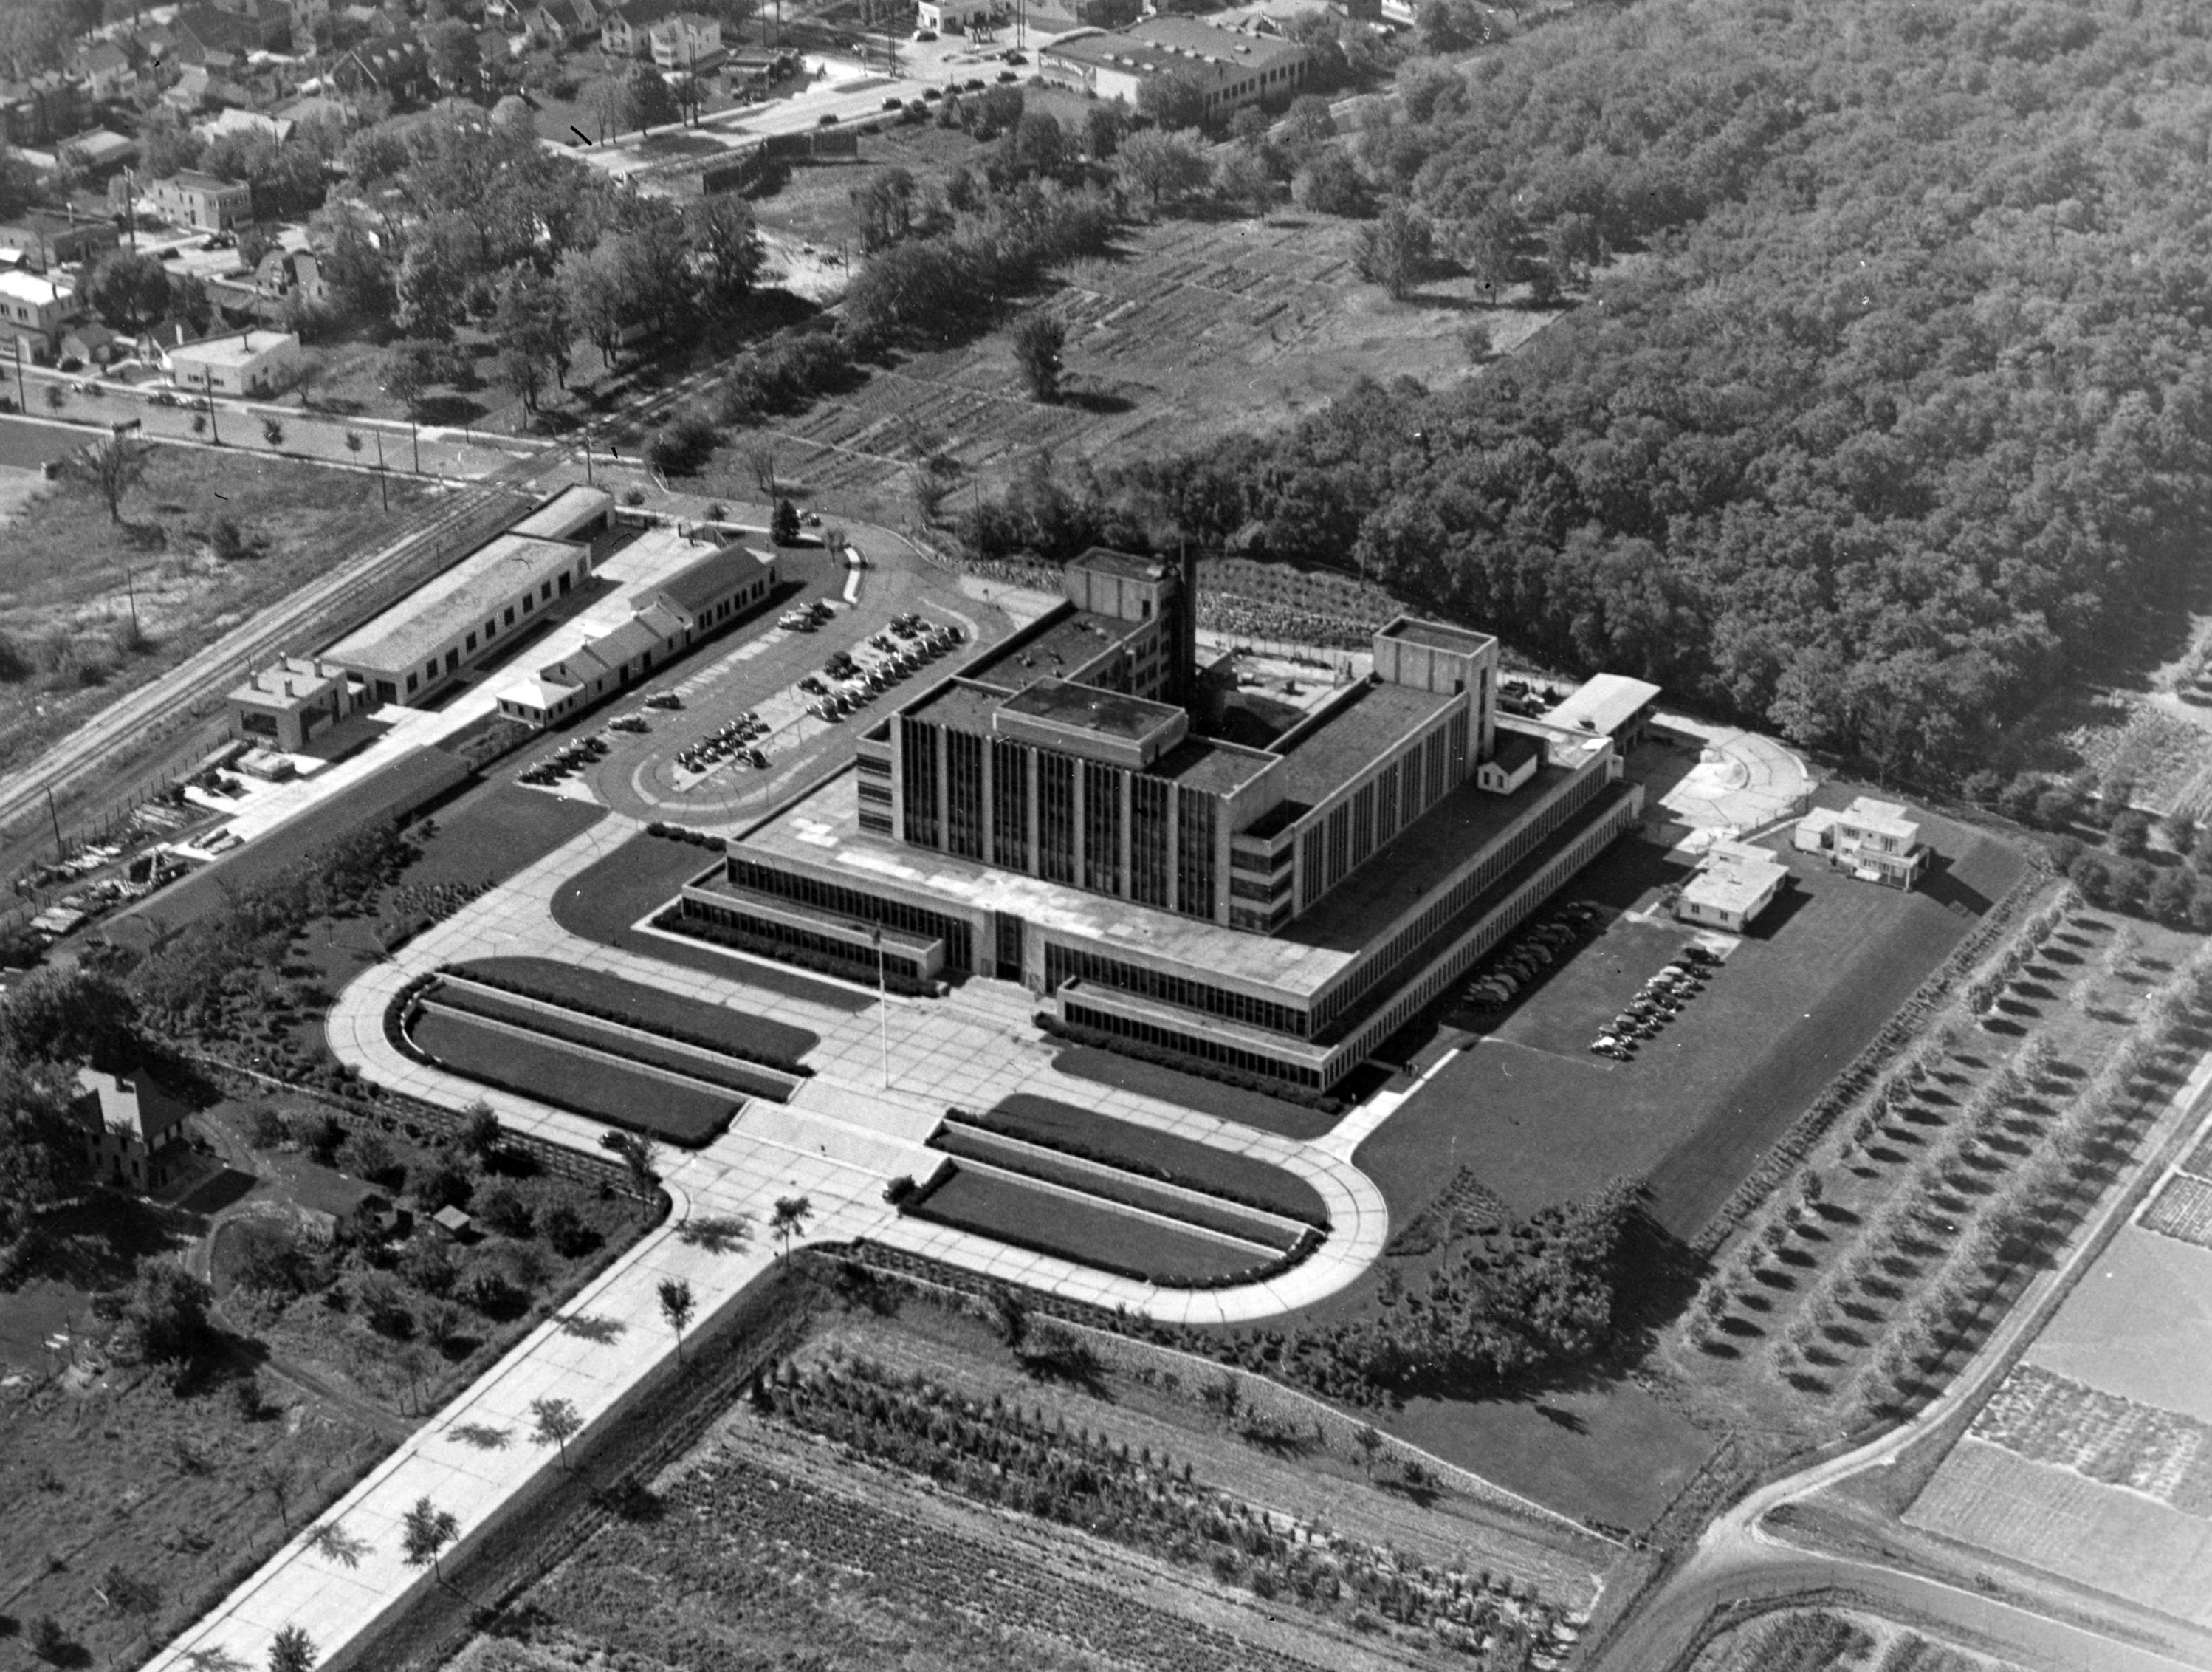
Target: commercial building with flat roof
(1734, 885)
(1232, 69)
(1160, 885)
(412, 649)
(285, 704)
(239, 362)
(206, 201)
(1609, 705)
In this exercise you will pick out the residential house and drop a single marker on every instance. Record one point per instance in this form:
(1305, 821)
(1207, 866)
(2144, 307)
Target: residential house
(396, 65)
(333, 1208)
(38, 110)
(247, 362)
(1871, 839)
(90, 344)
(206, 201)
(134, 1127)
(687, 42)
(33, 309)
(286, 273)
(221, 40)
(625, 30)
(44, 239)
(106, 71)
(563, 22)
(232, 120)
(357, 23)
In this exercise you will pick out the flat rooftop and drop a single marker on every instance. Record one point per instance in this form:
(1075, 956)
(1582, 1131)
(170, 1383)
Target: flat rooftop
(823, 833)
(1107, 561)
(471, 591)
(1063, 643)
(575, 503)
(1604, 703)
(1437, 635)
(960, 705)
(237, 348)
(1208, 764)
(1327, 751)
(1086, 707)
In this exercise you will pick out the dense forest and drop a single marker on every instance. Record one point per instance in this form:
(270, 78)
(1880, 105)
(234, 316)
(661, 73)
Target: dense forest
(1881, 403)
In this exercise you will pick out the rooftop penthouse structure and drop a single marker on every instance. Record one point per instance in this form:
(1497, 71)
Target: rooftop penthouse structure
(1050, 817)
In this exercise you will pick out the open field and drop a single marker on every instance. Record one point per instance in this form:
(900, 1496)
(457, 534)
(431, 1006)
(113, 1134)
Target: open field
(2065, 1523)
(1085, 1229)
(768, 1548)
(647, 1007)
(1829, 1640)
(64, 607)
(645, 873)
(1537, 1118)
(1112, 1184)
(1191, 329)
(1181, 1161)
(2139, 1325)
(570, 1080)
(2182, 1210)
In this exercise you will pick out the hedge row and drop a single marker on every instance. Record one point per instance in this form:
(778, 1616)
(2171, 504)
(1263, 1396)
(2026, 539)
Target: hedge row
(1809, 1128)
(1076, 1034)
(675, 922)
(685, 833)
(1002, 1127)
(916, 1206)
(602, 1013)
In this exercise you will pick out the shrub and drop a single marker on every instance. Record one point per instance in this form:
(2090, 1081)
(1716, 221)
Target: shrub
(504, 1209)
(685, 447)
(566, 1232)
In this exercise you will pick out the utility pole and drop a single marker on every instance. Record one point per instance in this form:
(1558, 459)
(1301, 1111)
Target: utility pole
(383, 490)
(414, 438)
(56, 818)
(22, 401)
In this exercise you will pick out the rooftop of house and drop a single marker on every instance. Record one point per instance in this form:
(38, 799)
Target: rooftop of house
(697, 585)
(1603, 703)
(191, 180)
(465, 596)
(237, 348)
(1889, 818)
(31, 289)
(1735, 878)
(1351, 731)
(131, 1101)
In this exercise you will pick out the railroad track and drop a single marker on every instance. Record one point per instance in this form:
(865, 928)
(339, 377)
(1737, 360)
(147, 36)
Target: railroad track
(424, 542)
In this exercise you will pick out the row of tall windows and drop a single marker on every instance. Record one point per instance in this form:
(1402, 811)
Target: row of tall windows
(964, 795)
(918, 785)
(1102, 828)
(1009, 804)
(954, 932)
(1173, 1039)
(1148, 841)
(1063, 963)
(1196, 814)
(1056, 817)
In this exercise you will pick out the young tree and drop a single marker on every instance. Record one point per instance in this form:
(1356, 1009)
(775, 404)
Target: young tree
(1038, 339)
(291, 1650)
(637, 1153)
(792, 1213)
(111, 467)
(425, 1531)
(130, 292)
(1393, 250)
(677, 1304)
(480, 1130)
(278, 1475)
(557, 1423)
(129, 1595)
(726, 248)
(412, 366)
(1160, 166)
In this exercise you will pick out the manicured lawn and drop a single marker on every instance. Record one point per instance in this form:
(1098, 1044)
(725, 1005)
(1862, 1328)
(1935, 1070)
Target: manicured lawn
(577, 1029)
(1115, 1187)
(1208, 1096)
(648, 1007)
(1031, 1217)
(568, 1079)
(492, 833)
(642, 875)
(1539, 1119)
(1183, 1161)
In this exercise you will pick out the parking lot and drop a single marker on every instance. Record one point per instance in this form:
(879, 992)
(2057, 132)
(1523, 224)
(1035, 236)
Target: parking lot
(719, 737)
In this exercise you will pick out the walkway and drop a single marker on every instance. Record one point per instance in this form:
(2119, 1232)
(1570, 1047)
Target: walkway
(841, 1137)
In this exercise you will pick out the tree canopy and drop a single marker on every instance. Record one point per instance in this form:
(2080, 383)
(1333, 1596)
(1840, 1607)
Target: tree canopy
(1897, 412)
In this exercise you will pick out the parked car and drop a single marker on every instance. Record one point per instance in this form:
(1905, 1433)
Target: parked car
(826, 120)
(924, 34)
(667, 699)
(629, 723)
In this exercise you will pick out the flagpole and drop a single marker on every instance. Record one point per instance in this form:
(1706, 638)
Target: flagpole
(882, 1007)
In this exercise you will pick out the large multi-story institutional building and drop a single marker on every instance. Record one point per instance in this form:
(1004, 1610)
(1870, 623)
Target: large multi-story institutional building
(1052, 815)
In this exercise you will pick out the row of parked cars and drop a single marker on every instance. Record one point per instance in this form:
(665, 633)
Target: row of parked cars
(845, 684)
(806, 617)
(571, 758)
(1536, 950)
(738, 742)
(1656, 1003)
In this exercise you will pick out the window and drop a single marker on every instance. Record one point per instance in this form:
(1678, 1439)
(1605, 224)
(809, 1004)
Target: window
(510, 611)
(472, 641)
